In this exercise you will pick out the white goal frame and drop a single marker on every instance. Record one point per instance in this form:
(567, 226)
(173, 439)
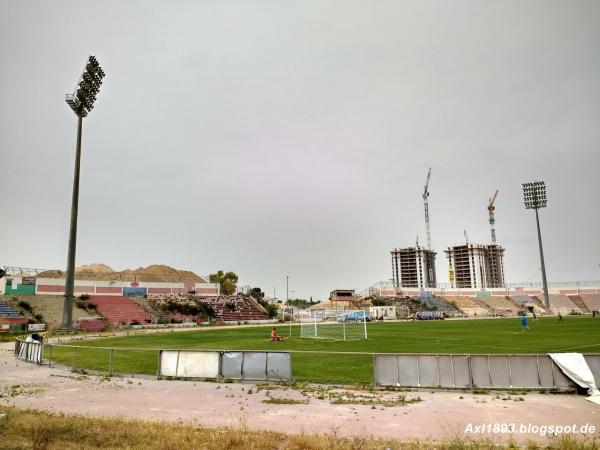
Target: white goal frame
(334, 324)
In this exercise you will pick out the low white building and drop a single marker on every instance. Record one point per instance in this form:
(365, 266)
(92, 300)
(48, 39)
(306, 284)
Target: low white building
(387, 312)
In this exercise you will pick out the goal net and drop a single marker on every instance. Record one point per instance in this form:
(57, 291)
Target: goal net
(334, 324)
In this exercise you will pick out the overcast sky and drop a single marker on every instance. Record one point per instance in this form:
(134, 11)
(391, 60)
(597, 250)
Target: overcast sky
(278, 138)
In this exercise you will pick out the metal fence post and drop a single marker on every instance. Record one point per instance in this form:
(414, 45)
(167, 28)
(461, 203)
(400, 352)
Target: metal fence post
(110, 359)
(374, 371)
(470, 371)
(158, 368)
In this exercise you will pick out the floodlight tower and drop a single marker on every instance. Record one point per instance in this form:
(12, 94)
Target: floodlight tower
(81, 102)
(534, 196)
(426, 203)
(491, 209)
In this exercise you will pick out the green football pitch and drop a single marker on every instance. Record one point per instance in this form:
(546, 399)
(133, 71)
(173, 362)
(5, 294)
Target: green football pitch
(312, 358)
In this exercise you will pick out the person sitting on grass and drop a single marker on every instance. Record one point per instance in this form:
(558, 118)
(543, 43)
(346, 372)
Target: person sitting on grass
(274, 336)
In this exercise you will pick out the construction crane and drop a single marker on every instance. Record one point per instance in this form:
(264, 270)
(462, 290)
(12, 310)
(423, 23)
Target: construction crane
(466, 238)
(490, 209)
(426, 202)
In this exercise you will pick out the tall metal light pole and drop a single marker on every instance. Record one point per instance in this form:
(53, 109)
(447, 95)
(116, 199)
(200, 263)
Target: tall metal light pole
(81, 102)
(534, 196)
(287, 289)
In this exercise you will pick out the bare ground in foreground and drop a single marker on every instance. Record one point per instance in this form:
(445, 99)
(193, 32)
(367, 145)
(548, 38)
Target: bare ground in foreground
(406, 416)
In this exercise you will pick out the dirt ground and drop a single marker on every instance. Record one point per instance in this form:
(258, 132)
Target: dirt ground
(438, 415)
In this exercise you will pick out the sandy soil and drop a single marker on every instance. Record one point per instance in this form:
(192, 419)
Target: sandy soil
(439, 415)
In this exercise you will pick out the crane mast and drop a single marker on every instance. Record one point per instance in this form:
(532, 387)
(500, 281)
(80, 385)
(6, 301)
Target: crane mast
(491, 209)
(426, 203)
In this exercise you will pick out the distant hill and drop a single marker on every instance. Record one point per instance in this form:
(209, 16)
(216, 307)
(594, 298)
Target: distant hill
(154, 272)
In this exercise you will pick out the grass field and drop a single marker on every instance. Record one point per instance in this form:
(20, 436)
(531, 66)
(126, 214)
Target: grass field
(138, 353)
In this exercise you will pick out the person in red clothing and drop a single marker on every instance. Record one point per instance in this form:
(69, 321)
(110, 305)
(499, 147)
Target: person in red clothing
(274, 336)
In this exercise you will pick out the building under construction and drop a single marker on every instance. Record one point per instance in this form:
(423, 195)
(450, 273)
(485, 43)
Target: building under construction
(413, 267)
(475, 266)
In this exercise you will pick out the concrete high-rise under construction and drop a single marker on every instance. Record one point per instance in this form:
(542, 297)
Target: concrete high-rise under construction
(413, 267)
(476, 266)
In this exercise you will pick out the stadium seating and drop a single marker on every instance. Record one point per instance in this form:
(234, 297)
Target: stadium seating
(499, 304)
(592, 301)
(562, 304)
(236, 308)
(8, 311)
(579, 303)
(227, 308)
(439, 304)
(120, 310)
(526, 300)
(50, 307)
(469, 305)
(91, 324)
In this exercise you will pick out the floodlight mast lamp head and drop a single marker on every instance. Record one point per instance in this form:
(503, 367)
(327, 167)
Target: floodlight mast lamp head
(534, 195)
(83, 97)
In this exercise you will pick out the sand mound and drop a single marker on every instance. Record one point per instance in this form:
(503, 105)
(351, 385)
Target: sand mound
(154, 272)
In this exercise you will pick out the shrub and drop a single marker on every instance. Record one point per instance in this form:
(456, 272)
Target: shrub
(230, 306)
(24, 305)
(84, 297)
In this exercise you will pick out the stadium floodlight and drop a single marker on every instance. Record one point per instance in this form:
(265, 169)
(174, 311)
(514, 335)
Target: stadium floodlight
(534, 196)
(81, 101)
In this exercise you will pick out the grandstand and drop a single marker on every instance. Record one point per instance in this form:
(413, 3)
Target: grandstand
(236, 308)
(579, 303)
(440, 304)
(526, 302)
(50, 308)
(469, 305)
(120, 310)
(226, 308)
(175, 308)
(500, 304)
(562, 304)
(10, 317)
(7, 311)
(592, 301)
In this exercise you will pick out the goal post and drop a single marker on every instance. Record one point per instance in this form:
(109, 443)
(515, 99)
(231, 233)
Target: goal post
(334, 324)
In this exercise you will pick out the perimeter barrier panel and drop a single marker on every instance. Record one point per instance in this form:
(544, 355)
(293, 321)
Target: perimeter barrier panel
(469, 371)
(211, 364)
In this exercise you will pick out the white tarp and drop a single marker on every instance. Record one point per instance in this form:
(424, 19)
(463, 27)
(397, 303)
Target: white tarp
(576, 368)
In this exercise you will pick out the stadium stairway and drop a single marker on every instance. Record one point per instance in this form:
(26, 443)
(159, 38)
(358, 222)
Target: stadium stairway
(120, 310)
(143, 303)
(579, 303)
(537, 302)
(592, 301)
(562, 304)
(501, 304)
(468, 305)
(50, 307)
(482, 303)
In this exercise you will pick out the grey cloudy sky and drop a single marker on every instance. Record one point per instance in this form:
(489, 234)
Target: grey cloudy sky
(294, 137)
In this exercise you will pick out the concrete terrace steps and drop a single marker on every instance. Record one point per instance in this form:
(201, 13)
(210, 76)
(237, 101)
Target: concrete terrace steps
(50, 307)
(145, 305)
(576, 299)
(592, 301)
(120, 310)
(562, 304)
(501, 303)
(481, 302)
